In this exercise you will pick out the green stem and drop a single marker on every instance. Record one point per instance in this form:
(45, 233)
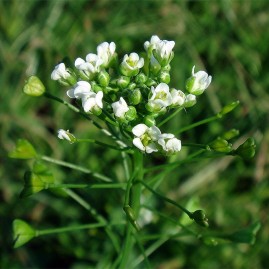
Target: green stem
(74, 228)
(136, 195)
(76, 167)
(170, 117)
(175, 164)
(191, 126)
(91, 186)
(166, 199)
(98, 217)
(194, 145)
(127, 149)
(73, 108)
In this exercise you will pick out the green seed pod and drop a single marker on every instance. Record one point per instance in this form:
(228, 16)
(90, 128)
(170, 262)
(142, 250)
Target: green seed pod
(23, 150)
(34, 87)
(22, 233)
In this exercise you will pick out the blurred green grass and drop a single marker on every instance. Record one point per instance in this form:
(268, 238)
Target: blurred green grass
(229, 39)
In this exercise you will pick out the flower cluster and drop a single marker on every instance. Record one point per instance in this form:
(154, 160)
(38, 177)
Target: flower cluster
(133, 93)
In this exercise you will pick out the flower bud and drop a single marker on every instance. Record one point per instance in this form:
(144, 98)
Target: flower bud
(198, 82)
(228, 108)
(149, 121)
(34, 87)
(131, 216)
(190, 100)
(247, 149)
(199, 217)
(103, 78)
(130, 114)
(141, 78)
(22, 233)
(131, 86)
(123, 82)
(134, 96)
(62, 134)
(230, 134)
(96, 88)
(220, 145)
(23, 150)
(164, 77)
(154, 66)
(151, 82)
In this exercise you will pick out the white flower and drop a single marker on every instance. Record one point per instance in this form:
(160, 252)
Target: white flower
(160, 97)
(80, 89)
(92, 101)
(105, 51)
(60, 72)
(163, 51)
(198, 82)
(131, 64)
(149, 46)
(190, 100)
(146, 137)
(178, 97)
(62, 134)
(120, 108)
(89, 67)
(169, 143)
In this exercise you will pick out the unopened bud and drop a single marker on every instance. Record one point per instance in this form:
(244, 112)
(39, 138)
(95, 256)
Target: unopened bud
(230, 134)
(199, 217)
(228, 108)
(130, 114)
(190, 100)
(141, 78)
(123, 82)
(247, 149)
(220, 145)
(103, 78)
(149, 121)
(134, 96)
(164, 77)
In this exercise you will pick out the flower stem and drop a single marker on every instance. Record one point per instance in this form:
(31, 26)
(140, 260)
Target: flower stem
(136, 194)
(198, 123)
(166, 199)
(97, 216)
(170, 117)
(76, 167)
(75, 228)
(127, 149)
(91, 186)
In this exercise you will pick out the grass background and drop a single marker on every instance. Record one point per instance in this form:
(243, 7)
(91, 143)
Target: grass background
(229, 39)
